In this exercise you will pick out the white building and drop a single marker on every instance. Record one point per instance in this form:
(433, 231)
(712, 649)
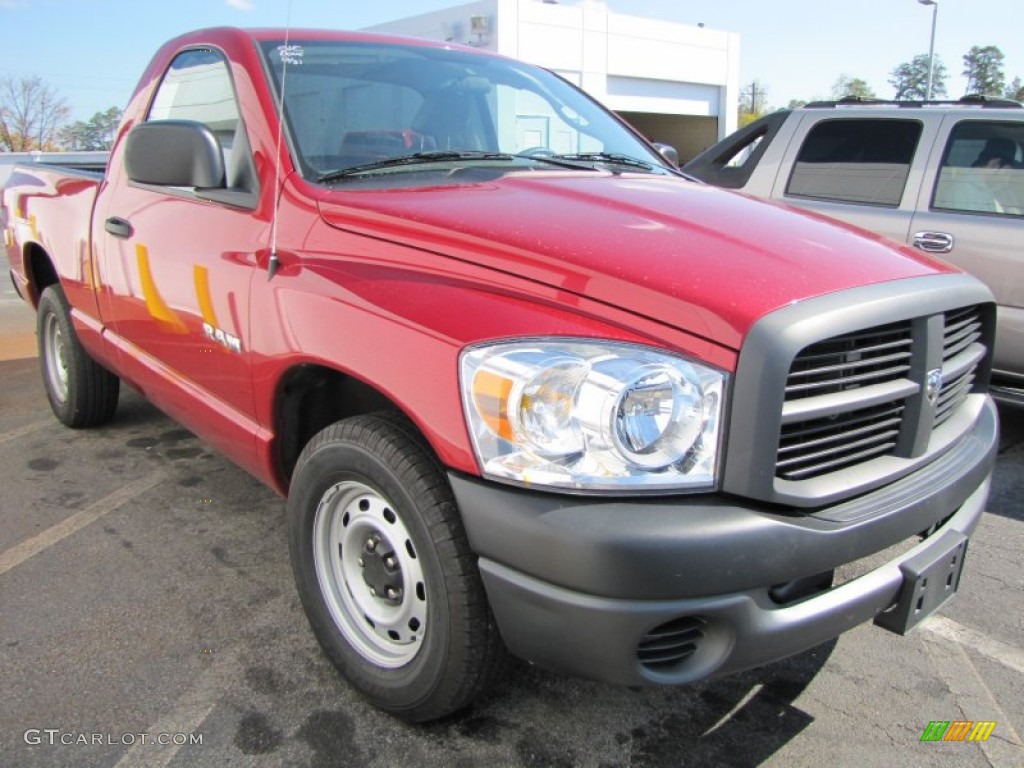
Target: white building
(675, 83)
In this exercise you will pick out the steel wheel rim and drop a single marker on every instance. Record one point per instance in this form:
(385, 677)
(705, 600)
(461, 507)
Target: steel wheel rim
(385, 630)
(55, 358)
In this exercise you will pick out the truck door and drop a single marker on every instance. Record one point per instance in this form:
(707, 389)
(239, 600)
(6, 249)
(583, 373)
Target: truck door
(971, 213)
(864, 170)
(177, 262)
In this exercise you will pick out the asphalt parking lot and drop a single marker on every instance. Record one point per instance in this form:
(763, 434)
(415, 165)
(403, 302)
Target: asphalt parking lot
(146, 597)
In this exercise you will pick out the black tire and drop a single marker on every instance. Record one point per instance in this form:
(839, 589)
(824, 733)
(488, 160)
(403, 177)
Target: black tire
(385, 572)
(82, 393)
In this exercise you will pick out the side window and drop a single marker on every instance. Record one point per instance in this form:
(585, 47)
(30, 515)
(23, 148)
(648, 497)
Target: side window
(982, 169)
(732, 161)
(198, 87)
(856, 161)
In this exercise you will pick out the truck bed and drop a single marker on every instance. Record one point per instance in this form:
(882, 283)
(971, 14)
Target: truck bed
(50, 208)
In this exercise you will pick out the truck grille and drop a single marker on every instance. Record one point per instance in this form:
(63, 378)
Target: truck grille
(848, 398)
(963, 330)
(853, 360)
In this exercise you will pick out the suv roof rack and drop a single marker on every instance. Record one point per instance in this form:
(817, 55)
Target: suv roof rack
(970, 100)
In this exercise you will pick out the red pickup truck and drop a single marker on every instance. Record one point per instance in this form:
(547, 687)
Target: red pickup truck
(526, 387)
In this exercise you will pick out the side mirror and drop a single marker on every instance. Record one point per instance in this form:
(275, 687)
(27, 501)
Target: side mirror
(174, 153)
(668, 152)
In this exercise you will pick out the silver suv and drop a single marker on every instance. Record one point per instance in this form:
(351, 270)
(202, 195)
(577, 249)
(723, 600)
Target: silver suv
(944, 177)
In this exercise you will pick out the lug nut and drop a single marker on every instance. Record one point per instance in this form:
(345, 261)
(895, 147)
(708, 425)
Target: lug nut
(390, 562)
(371, 544)
(394, 594)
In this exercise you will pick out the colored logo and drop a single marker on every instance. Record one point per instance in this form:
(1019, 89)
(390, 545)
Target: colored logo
(958, 730)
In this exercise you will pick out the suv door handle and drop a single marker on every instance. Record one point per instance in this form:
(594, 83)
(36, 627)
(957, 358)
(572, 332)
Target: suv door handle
(933, 242)
(118, 227)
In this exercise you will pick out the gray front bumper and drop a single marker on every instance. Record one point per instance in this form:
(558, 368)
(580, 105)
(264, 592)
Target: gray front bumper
(577, 584)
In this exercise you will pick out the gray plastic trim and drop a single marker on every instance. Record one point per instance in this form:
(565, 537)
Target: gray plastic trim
(777, 338)
(596, 637)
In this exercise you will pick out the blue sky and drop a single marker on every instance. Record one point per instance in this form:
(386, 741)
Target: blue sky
(93, 51)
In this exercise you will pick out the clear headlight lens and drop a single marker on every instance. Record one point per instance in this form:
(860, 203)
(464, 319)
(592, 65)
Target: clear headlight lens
(593, 416)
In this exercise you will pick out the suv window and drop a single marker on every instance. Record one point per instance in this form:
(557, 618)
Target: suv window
(856, 161)
(982, 169)
(198, 87)
(732, 161)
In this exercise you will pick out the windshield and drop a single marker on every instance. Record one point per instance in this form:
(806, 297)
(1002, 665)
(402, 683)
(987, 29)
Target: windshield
(353, 107)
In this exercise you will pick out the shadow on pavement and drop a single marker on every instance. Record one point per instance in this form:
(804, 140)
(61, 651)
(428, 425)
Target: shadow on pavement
(1008, 480)
(741, 720)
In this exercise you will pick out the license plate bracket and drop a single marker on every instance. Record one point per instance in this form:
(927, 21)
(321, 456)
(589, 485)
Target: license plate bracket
(929, 580)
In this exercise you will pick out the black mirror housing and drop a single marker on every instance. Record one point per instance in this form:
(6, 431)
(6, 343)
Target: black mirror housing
(174, 153)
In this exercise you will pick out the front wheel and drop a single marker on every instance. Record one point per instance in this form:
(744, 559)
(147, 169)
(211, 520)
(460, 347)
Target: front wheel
(384, 570)
(82, 393)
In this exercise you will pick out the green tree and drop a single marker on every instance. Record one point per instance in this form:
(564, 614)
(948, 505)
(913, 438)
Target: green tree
(97, 133)
(983, 68)
(1015, 90)
(847, 87)
(31, 113)
(910, 79)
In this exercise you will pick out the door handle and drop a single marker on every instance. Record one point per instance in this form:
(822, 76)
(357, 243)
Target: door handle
(933, 242)
(118, 227)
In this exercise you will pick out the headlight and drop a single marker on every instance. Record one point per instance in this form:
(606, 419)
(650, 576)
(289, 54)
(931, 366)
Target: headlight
(592, 416)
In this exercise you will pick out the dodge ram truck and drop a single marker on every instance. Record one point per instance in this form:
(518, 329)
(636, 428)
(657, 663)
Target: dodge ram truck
(526, 387)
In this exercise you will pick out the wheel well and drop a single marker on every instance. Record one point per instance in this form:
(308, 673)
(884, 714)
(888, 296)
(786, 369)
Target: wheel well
(311, 397)
(40, 271)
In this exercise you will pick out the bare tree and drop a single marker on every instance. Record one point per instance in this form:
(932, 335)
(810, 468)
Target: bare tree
(752, 102)
(1015, 90)
(31, 113)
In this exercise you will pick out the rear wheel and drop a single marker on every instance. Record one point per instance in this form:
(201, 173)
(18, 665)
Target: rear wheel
(384, 570)
(82, 393)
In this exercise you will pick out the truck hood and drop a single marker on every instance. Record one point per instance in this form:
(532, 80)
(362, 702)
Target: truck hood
(706, 261)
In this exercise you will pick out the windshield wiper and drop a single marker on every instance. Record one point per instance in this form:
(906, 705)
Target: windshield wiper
(550, 158)
(608, 158)
(418, 158)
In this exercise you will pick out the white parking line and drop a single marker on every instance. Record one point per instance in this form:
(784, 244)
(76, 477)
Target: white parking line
(195, 705)
(1007, 655)
(28, 429)
(191, 709)
(32, 547)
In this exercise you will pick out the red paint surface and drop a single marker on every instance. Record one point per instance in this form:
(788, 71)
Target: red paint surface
(388, 286)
